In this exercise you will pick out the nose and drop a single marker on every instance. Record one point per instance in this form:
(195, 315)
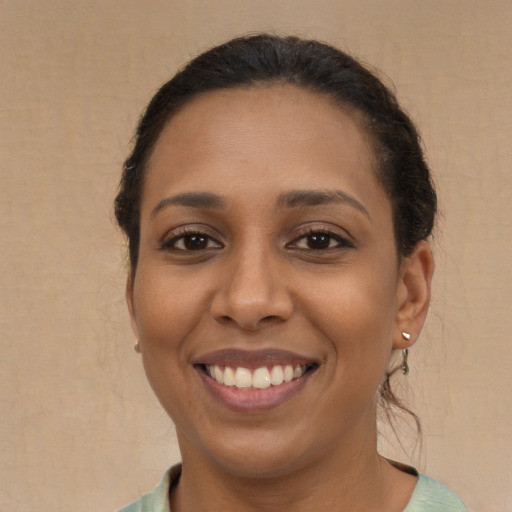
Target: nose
(252, 292)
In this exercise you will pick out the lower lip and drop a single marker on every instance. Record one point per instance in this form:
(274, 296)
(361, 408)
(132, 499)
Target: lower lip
(253, 400)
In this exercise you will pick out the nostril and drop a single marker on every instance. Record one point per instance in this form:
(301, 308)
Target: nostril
(269, 318)
(249, 324)
(225, 319)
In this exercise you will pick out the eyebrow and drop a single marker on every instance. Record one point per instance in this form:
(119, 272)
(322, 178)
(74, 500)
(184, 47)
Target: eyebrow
(288, 200)
(305, 198)
(191, 199)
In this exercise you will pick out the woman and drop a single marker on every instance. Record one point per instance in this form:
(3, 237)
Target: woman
(277, 207)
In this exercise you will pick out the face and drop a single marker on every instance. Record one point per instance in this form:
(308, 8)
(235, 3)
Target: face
(268, 291)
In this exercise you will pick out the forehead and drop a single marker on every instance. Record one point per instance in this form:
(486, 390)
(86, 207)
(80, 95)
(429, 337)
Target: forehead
(276, 134)
(274, 110)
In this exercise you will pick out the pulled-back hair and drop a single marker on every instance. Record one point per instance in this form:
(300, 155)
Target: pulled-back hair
(267, 59)
(318, 67)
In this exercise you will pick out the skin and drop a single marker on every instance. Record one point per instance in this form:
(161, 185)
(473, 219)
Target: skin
(261, 281)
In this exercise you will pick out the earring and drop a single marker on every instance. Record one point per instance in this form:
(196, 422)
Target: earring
(405, 354)
(136, 347)
(405, 365)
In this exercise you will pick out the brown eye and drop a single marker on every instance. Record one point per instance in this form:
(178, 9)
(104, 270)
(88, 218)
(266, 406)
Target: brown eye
(195, 242)
(188, 242)
(318, 241)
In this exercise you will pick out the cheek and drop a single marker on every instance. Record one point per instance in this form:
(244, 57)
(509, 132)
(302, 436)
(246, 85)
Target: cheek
(357, 321)
(166, 307)
(356, 314)
(166, 312)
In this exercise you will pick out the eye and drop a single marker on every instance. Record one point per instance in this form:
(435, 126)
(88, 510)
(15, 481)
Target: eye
(320, 241)
(190, 241)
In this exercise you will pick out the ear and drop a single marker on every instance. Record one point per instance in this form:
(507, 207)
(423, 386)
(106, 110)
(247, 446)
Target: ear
(413, 294)
(131, 305)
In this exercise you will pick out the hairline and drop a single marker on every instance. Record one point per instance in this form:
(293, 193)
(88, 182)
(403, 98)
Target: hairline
(357, 114)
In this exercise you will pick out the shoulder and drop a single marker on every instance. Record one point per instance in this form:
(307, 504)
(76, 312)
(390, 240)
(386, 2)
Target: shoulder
(431, 496)
(156, 500)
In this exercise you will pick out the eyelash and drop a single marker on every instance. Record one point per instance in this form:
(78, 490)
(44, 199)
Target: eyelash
(341, 242)
(184, 234)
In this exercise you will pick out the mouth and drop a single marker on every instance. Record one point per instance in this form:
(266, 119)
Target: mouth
(262, 377)
(253, 381)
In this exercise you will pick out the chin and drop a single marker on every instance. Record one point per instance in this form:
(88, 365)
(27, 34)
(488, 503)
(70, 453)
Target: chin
(265, 454)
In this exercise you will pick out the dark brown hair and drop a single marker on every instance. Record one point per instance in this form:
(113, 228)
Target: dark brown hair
(321, 68)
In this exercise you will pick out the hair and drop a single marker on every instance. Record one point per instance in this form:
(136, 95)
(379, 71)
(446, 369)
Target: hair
(269, 59)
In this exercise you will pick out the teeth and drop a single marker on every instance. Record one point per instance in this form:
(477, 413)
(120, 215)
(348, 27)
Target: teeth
(276, 376)
(243, 378)
(218, 374)
(229, 377)
(260, 378)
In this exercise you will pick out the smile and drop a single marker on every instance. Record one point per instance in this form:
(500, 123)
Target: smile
(254, 381)
(258, 378)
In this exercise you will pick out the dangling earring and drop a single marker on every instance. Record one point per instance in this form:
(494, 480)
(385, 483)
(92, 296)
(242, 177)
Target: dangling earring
(405, 354)
(136, 347)
(405, 365)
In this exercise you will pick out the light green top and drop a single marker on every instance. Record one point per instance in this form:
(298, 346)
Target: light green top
(428, 496)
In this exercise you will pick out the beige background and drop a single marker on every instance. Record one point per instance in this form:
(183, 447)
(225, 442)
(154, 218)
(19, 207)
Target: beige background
(79, 428)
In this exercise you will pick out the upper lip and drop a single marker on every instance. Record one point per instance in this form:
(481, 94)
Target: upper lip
(253, 358)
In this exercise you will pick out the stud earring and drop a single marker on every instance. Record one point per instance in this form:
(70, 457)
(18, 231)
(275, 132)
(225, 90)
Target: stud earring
(406, 336)
(405, 365)
(136, 347)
